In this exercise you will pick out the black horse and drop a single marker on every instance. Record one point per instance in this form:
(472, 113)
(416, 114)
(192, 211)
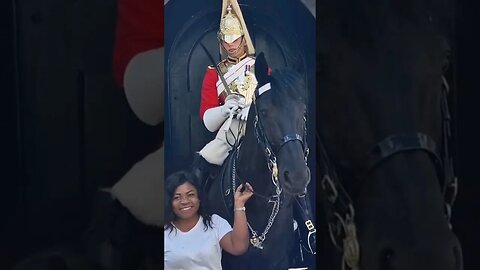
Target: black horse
(272, 157)
(383, 123)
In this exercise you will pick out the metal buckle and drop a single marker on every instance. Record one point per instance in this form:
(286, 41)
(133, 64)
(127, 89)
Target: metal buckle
(309, 225)
(332, 197)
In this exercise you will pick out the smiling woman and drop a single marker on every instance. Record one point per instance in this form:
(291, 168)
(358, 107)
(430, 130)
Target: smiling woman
(194, 239)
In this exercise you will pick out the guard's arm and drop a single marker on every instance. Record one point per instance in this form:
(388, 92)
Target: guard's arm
(215, 117)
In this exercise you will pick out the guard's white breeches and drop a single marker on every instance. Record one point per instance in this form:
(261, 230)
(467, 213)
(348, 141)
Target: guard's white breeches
(140, 190)
(216, 151)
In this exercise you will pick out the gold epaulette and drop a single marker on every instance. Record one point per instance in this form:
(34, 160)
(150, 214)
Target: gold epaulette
(222, 66)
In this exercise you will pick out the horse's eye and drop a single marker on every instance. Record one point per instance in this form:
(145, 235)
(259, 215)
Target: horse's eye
(263, 113)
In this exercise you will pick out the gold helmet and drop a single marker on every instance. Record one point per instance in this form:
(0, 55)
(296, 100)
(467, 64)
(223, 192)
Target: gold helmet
(232, 25)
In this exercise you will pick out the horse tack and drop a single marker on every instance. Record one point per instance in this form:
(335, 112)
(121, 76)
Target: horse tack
(273, 167)
(398, 143)
(304, 205)
(450, 188)
(342, 217)
(418, 141)
(259, 130)
(257, 240)
(263, 140)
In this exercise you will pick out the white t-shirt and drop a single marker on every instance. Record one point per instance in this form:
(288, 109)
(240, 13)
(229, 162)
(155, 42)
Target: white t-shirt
(196, 249)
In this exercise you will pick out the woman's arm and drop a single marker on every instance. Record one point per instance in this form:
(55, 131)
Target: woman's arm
(236, 242)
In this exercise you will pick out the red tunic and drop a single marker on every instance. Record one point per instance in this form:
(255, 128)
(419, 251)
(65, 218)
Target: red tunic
(139, 29)
(210, 98)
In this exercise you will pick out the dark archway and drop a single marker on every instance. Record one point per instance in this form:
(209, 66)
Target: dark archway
(286, 41)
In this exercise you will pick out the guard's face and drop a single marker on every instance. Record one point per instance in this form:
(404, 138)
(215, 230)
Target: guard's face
(185, 202)
(236, 48)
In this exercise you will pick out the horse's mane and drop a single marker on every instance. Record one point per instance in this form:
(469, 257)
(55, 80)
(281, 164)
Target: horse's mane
(287, 83)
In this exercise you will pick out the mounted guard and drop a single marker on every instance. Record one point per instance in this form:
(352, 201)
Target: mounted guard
(228, 87)
(227, 92)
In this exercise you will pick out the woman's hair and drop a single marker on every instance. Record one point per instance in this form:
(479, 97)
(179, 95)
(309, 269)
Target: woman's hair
(171, 184)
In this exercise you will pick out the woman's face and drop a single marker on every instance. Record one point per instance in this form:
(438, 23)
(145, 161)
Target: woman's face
(234, 49)
(185, 201)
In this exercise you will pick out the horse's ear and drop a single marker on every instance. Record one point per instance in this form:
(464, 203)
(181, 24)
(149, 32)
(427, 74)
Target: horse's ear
(261, 69)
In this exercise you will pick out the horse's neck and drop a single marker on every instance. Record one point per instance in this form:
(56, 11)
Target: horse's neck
(252, 163)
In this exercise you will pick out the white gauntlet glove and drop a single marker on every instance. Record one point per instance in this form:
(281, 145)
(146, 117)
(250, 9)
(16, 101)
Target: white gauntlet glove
(232, 104)
(215, 117)
(243, 113)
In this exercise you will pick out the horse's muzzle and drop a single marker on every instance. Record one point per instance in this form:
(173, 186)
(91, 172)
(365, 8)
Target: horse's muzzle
(295, 182)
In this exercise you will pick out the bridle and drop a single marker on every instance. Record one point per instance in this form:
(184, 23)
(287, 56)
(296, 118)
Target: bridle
(262, 138)
(270, 153)
(340, 210)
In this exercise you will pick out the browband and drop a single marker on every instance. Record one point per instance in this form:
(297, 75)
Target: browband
(264, 88)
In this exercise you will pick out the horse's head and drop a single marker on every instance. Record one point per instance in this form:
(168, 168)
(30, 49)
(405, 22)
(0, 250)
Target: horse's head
(380, 70)
(278, 116)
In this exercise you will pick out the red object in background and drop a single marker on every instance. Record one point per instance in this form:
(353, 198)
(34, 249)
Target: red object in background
(139, 28)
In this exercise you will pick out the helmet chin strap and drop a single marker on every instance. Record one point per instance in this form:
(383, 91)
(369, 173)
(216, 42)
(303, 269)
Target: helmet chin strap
(242, 44)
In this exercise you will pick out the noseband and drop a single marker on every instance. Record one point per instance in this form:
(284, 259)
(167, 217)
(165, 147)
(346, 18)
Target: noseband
(341, 214)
